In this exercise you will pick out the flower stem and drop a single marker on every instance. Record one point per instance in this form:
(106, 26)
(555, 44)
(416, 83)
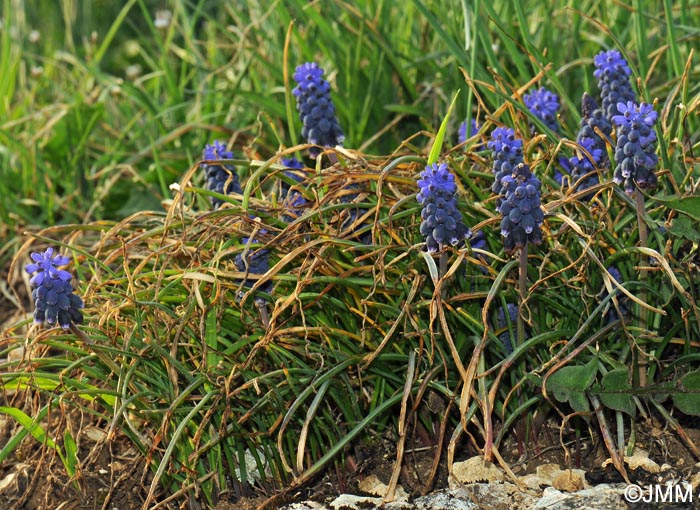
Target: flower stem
(442, 269)
(522, 288)
(639, 355)
(102, 356)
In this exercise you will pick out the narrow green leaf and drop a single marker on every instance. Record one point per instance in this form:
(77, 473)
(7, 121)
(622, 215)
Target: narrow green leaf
(70, 459)
(432, 267)
(29, 423)
(440, 137)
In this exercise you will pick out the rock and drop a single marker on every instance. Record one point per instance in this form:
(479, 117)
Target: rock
(695, 481)
(489, 496)
(548, 471)
(348, 501)
(445, 500)
(306, 505)
(551, 475)
(602, 497)
(473, 470)
(373, 485)
(571, 480)
(94, 434)
(638, 460)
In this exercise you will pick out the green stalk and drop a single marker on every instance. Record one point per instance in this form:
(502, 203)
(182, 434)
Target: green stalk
(522, 288)
(639, 361)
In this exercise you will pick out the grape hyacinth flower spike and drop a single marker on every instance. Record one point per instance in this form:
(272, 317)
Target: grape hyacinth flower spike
(442, 223)
(54, 299)
(635, 151)
(316, 108)
(521, 209)
(584, 165)
(292, 200)
(219, 178)
(507, 154)
(505, 335)
(594, 123)
(544, 104)
(613, 75)
(612, 312)
(255, 261)
(474, 128)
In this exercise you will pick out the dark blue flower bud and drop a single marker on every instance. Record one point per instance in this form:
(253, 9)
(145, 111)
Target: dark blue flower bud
(52, 291)
(219, 178)
(612, 315)
(521, 210)
(442, 223)
(316, 109)
(474, 128)
(507, 154)
(292, 200)
(544, 104)
(504, 332)
(583, 166)
(595, 127)
(254, 261)
(613, 76)
(635, 151)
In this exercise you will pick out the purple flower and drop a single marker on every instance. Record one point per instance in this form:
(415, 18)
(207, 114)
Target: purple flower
(544, 104)
(583, 166)
(52, 291)
(595, 130)
(474, 129)
(254, 261)
(613, 76)
(316, 109)
(635, 150)
(219, 178)
(435, 178)
(442, 221)
(612, 315)
(292, 199)
(521, 210)
(505, 326)
(478, 241)
(507, 154)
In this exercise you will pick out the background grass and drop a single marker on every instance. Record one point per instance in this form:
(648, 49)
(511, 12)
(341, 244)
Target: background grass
(103, 109)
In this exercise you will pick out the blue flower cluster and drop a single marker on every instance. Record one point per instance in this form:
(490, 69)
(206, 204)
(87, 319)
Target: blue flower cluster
(544, 104)
(474, 128)
(594, 123)
(254, 261)
(219, 178)
(583, 165)
(613, 75)
(521, 209)
(502, 330)
(52, 291)
(316, 109)
(612, 315)
(442, 222)
(292, 200)
(507, 154)
(635, 150)
(594, 133)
